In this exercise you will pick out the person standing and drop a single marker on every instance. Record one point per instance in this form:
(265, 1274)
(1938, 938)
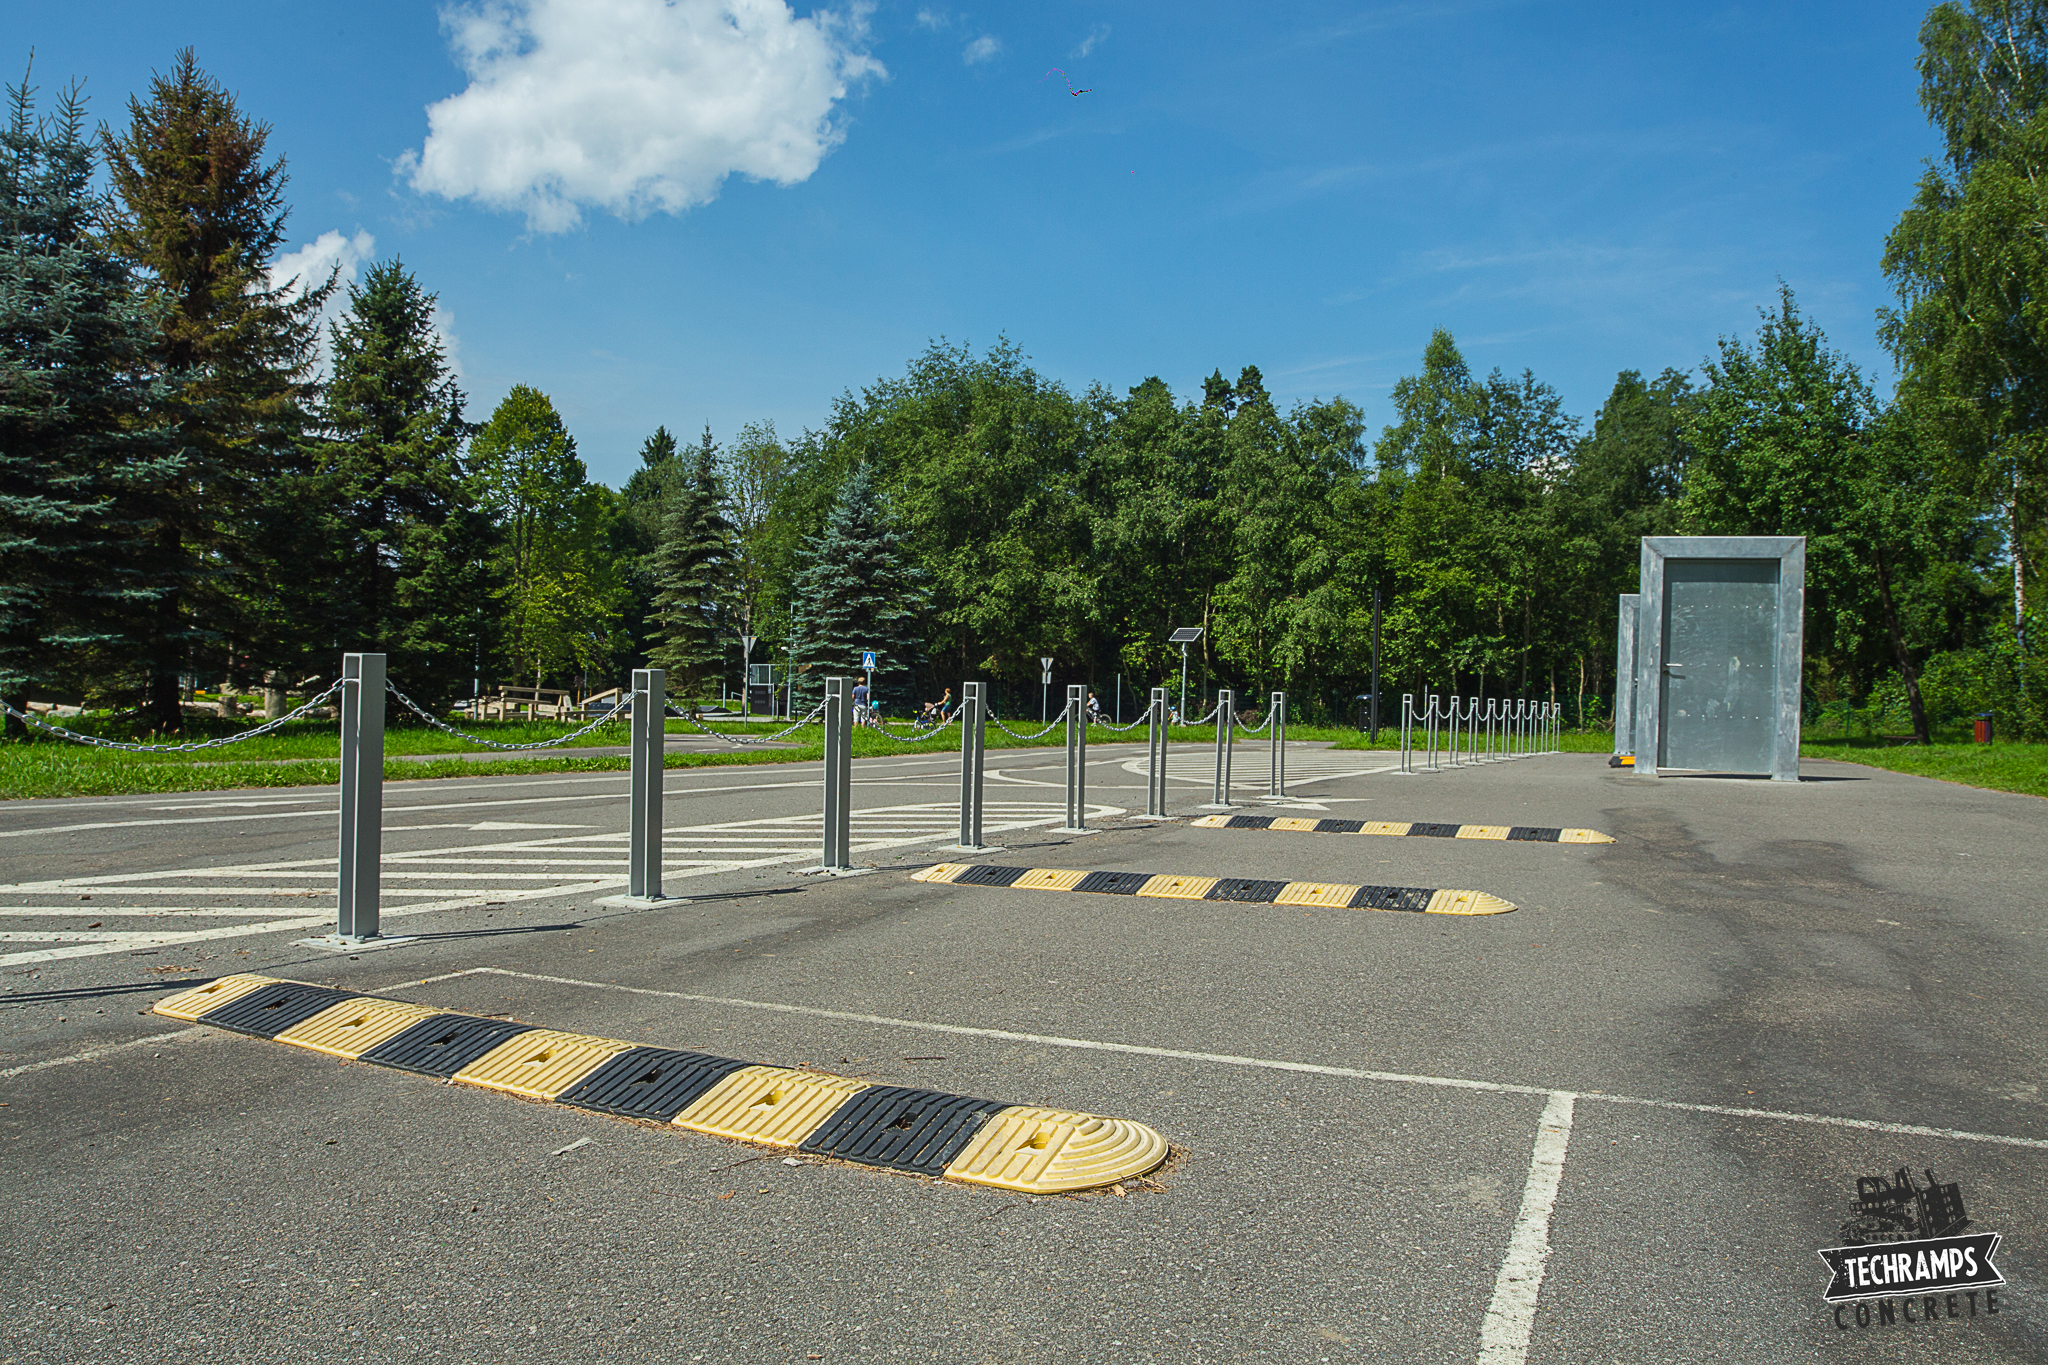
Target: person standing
(860, 703)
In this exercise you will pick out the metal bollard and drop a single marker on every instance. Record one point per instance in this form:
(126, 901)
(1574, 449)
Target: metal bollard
(838, 774)
(648, 746)
(1408, 732)
(1155, 763)
(973, 734)
(362, 796)
(1226, 702)
(1276, 779)
(1077, 759)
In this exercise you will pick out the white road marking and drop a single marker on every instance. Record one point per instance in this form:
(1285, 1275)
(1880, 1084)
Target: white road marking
(94, 1053)
(1504, 1334)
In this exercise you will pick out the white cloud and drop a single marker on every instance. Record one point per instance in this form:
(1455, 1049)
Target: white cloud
(634, 106)
(982, 49)
(1096, 36)
(297, 272)
(932, 19)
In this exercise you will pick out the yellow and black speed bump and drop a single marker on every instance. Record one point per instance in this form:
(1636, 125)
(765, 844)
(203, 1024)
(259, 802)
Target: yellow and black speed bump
(1239, 890)
(981, 1142)
(1533, 834)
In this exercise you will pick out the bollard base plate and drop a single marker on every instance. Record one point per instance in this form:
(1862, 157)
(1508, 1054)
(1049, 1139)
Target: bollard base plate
(643, 902)
(337, 943)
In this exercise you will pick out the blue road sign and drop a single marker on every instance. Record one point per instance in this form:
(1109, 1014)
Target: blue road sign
(867, 658)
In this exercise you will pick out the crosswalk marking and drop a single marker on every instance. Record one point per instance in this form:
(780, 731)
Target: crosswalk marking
(463, 876)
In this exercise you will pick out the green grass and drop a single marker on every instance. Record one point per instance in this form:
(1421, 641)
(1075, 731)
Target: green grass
(2001, 767)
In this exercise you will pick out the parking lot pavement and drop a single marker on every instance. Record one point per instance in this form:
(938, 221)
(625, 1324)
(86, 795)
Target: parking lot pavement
(1616, 1123)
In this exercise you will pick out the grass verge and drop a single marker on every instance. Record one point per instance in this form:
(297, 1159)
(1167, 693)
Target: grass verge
(2021, 768)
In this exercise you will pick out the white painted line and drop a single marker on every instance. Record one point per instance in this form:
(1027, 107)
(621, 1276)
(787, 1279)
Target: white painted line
(1504, 1334)
(1266, 1064)
(92, 1053)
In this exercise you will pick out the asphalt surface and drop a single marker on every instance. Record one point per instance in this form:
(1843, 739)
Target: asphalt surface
(1757, 994)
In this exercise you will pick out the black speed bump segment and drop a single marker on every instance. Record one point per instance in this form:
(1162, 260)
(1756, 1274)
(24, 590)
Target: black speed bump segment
(649, 1083)
(1534, 834)
(270, 1010)
(444, 1044)
(928, 1132)
(909, 1129)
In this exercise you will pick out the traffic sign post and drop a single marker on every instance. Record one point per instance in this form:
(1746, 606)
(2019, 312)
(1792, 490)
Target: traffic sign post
(867, 668)
(1044, 687)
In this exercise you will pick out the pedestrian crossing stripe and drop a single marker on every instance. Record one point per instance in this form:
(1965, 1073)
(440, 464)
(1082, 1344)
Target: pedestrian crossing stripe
(1534, 834)
(927, 1132)
(1239, 890)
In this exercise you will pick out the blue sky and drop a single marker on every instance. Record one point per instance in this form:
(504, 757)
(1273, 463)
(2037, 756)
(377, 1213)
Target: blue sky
(701, 212)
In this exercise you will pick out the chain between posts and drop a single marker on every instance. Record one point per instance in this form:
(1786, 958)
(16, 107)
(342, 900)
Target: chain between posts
(1260, 729)
(1028, 738)
(421, 712)
(99, 742)
(1118, 729)
(816, 711)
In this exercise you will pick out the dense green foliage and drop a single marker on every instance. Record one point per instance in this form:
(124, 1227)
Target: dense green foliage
(183, 495)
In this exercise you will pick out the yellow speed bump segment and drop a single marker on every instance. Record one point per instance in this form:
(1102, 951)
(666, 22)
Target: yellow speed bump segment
(1042, 1151)
(1409, 829)
(355, 1026)
(771, 1105)
(540, 1063)
(189, 1005)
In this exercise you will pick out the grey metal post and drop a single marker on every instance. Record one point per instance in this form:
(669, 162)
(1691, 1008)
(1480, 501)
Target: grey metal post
(1276, 781)
(1407, 732)
(1155, 733)
(362, 795)
(838, 773)
(1225, 707)
(1077, 757)
(973, 733)
(648, 746)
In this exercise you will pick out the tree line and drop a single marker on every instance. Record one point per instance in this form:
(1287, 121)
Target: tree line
(184, 494)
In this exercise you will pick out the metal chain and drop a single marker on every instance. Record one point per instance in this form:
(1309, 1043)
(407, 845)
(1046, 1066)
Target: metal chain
(1027, 738)
(1206, 719)
(99, 743)
(1119, 729)
(417, 710)
(748, 739)
(1249, 730)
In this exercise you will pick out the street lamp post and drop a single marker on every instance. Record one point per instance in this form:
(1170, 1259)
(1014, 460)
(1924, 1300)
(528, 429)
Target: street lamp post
(747, 677)
(1184, 637)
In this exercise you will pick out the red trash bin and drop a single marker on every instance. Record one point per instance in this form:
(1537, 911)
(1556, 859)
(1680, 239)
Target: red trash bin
(1984, 729)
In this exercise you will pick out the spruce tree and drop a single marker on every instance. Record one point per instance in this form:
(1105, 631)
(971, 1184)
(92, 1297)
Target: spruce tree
(79, 455)
(858, 589)
(394, 428)
(693, 573)
(202, 215)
